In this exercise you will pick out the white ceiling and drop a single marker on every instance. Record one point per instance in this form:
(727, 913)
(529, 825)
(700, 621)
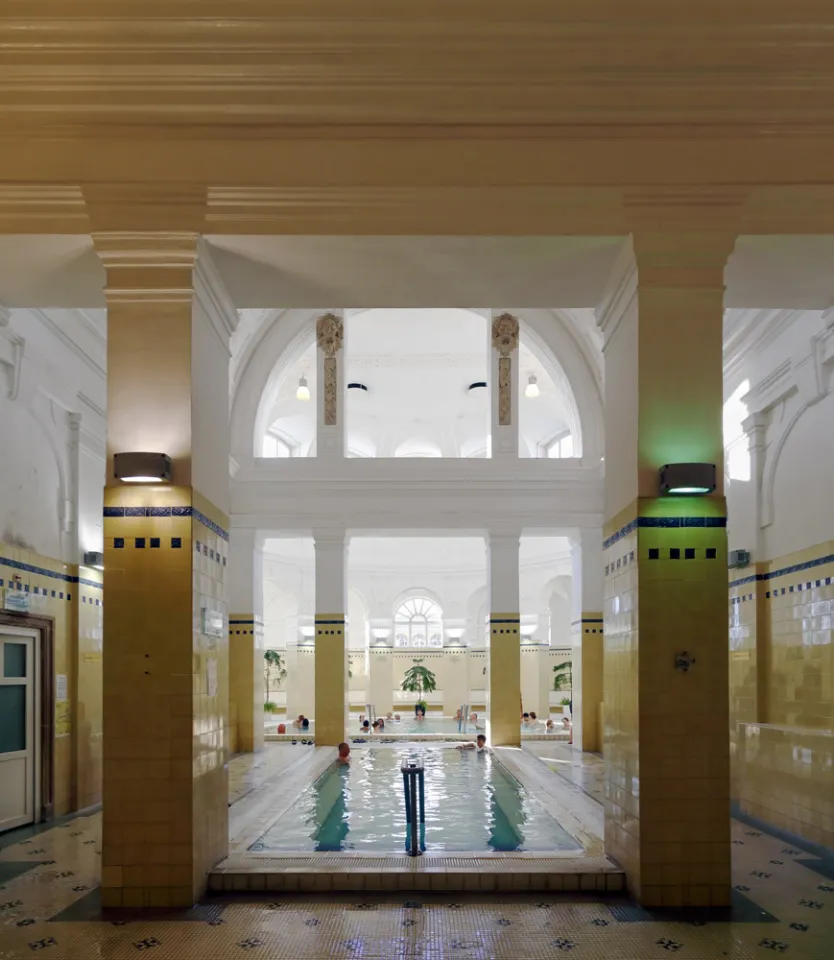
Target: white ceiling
(299, 271)
(417, 366)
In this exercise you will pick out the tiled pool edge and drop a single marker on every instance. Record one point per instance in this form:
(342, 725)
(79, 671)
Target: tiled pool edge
(250, 874)
(246, 872)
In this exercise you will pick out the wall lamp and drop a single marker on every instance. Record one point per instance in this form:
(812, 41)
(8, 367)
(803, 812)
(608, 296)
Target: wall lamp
(687, 479)
(142, 467)
(92, 558)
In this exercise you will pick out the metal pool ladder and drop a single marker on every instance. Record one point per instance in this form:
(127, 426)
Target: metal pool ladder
(414, 783)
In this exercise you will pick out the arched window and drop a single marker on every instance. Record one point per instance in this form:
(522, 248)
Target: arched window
(419, 623)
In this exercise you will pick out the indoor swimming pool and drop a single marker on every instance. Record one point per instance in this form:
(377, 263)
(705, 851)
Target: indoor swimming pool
(472, 804)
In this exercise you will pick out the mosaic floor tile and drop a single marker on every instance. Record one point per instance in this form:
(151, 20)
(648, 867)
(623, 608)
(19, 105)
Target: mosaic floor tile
(50, 907)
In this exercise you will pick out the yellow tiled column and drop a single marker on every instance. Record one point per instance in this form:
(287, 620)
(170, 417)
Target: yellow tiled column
(586, 639)
(331, 706)
(504, 707)
(165, 785)
(247, 690)
(587, 679)
(667, 813)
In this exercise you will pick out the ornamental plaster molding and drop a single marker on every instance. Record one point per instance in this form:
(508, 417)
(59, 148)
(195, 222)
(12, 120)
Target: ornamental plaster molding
(505, 332)
(330, 332)
(185, 61)
(807, 382)
(11, 354)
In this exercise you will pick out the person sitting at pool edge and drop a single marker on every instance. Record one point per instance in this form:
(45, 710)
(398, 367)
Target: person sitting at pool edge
(480, 746)
(305, 725)
(344, 754)
(298, 722)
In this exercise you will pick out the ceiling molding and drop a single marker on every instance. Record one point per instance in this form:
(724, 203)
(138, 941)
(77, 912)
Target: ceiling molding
(291, 62)
(748, 332)
(68, 341)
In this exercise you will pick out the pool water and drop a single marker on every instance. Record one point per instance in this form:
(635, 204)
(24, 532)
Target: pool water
(472, 804)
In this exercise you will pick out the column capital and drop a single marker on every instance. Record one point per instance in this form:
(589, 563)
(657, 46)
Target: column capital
(153, 266)
(503, 537)
(330, 539)
(505, 333)
(755, 427)
(330, 332)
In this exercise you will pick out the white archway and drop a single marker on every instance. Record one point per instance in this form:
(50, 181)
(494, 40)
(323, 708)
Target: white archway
(285, 336)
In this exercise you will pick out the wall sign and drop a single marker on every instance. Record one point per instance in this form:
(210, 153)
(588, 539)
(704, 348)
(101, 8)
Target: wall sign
(16, 601)
(213, 625)
(61, 687)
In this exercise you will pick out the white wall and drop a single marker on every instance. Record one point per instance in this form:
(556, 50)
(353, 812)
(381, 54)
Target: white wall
(788, 368)
(52, 431)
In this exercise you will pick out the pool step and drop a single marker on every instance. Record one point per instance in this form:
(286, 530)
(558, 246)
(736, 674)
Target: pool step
(322, 873)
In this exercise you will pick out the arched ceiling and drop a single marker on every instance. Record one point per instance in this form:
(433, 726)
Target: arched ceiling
(417, 366)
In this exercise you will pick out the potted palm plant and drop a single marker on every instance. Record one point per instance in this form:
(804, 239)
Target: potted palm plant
(563, 680)
(419, 679)
(273, 669)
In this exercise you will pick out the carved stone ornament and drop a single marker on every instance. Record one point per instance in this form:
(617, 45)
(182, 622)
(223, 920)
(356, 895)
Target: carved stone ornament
(330, 333)
(505, 334)
(505, 393)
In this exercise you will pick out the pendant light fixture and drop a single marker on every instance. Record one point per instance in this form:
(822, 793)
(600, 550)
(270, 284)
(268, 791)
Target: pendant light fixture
(532, 388)
(303, 391)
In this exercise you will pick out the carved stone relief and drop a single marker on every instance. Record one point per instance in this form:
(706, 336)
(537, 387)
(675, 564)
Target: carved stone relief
(505, 341)
(330, 336)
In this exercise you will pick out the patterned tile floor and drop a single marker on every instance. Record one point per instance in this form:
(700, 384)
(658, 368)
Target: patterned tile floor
(49, 907)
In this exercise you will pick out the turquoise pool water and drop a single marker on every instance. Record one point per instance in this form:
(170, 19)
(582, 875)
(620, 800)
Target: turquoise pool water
(472, 804)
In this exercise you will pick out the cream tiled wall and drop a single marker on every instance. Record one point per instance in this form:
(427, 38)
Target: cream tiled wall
(72, 598)
(782, 691)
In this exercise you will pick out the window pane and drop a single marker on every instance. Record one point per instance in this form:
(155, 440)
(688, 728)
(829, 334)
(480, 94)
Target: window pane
(12, 718)
(14, 659)
(567, 447)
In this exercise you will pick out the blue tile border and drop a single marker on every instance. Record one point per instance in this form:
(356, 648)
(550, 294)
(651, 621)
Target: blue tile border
(663, 523)
(785, 571)
(248, 623)
(129, 512)
(51, 574)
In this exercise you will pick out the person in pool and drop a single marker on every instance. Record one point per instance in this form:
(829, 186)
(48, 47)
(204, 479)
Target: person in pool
(381, 723)
(344, 754)
(419, 713)
(480, 745)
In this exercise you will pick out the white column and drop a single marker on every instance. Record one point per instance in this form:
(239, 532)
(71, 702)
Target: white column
(331, 707)
(503, 386)
(504, 708)
(587, 639)
(331, 389)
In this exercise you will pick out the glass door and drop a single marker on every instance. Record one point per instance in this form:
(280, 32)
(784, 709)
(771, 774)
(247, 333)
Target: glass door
(17, 730)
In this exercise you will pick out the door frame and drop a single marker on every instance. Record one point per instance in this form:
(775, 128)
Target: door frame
(45, 630)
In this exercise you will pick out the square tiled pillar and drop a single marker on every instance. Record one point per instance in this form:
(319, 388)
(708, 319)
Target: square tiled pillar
(331, 701)
(666, 743)
(247, 681)
(504, 707)
(586, 640)
(165, 788)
